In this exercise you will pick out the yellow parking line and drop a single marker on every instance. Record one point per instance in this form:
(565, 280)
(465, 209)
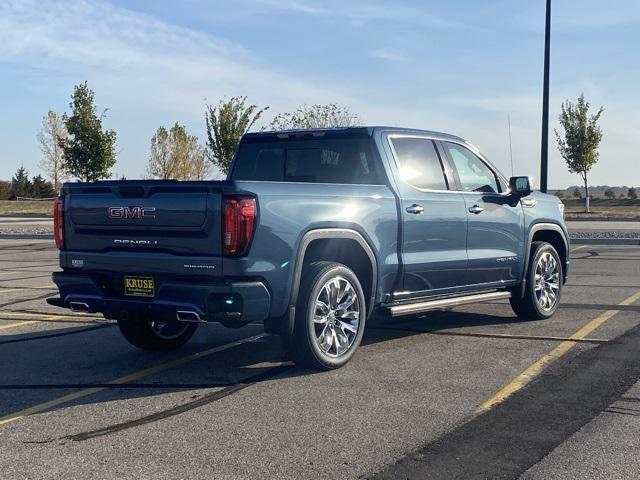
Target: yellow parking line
(577, 248)
(12, 417)
(12, 315)
(42, 316)
(535, 368)
(52, 287)
(10, 290)
(16, 324)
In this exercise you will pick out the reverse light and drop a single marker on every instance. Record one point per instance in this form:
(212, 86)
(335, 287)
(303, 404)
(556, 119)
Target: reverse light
(58, 222)
(239, 220)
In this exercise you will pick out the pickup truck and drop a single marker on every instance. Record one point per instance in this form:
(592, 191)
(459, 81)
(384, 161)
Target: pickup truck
(312, 232)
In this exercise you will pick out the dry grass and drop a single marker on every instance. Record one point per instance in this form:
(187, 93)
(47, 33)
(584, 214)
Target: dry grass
(604, 207)
(26, 208)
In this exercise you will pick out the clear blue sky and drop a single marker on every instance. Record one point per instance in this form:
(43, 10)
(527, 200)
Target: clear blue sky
(458, 66)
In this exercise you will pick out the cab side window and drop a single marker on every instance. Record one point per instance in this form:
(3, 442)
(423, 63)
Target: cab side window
(474, 174)
(419, 163)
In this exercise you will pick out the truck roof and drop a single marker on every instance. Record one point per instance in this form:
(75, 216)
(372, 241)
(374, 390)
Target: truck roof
(360, 131)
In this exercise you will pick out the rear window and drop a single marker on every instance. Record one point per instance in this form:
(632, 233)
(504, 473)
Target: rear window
(346, 160)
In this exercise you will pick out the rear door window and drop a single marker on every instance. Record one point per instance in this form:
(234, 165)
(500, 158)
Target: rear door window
(419, 163)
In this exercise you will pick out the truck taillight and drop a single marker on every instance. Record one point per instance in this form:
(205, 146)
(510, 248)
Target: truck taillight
(239, 221)
(58, 222)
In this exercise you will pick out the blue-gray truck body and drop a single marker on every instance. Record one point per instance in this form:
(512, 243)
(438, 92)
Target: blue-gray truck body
(407, 243)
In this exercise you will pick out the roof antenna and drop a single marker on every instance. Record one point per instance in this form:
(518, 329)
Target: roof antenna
(510, 148)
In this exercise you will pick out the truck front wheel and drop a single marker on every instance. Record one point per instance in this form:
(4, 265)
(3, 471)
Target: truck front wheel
(150, 334)
(543, 286)
(330, 317)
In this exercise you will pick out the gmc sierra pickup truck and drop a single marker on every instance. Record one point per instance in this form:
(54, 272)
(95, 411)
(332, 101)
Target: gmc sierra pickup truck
(312, 231)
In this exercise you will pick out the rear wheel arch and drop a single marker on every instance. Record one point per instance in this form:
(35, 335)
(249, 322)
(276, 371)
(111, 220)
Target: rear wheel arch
(341, 245)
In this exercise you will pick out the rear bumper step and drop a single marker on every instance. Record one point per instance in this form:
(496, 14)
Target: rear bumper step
(425, 306)
(232, 303)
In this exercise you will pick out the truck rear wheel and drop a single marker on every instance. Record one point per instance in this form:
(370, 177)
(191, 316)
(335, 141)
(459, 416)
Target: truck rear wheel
(150, 334)
(543, 285)
(330, 317)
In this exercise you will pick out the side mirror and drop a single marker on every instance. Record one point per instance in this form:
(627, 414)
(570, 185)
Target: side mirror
(521, 186)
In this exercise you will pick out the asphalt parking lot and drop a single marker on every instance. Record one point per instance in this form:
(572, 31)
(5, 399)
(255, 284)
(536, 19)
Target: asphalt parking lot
(468, 393)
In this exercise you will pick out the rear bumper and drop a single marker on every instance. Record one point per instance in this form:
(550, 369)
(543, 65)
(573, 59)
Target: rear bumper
(227, 302)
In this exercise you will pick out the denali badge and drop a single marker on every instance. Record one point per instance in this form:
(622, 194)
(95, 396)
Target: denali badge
(131, 212)
(126, 241)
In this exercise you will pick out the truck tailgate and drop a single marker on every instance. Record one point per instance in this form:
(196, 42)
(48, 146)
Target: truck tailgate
(164, 217)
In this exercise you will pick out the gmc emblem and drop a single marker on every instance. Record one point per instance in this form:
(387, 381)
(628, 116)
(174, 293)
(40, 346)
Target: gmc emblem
(131, 212)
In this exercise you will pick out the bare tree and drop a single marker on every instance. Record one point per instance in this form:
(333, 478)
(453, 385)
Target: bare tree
(161, 163)
(315, 116)
(51, 134)
(200, 166)
(176, 155)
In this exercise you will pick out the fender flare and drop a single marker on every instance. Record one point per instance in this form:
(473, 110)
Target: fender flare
(326, 233)
(537, 227)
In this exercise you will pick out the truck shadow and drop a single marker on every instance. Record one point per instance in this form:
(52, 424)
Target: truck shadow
(380, 328)
(39, 370)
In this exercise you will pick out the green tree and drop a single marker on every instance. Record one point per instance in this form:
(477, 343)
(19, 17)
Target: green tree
(578, 144)
(5, 190)
(89, 151)
(632, 194)
(577, 193)
(609, 193)
(315, 116)
(20, 184)
(41, 188)
(226, 123)
(176, 155)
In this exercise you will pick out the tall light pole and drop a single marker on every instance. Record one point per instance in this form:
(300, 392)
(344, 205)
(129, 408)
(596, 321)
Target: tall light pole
(544, 150)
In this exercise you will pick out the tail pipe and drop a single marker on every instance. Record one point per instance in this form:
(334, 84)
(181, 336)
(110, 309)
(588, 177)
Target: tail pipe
(188, 316)
(79, 307)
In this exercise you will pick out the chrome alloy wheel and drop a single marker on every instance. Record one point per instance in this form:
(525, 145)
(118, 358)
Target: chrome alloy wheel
(167, 330)
(336, 317)
(547, 281)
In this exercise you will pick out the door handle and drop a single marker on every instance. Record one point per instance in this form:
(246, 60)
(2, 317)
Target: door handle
(415, 209)
(476, 209)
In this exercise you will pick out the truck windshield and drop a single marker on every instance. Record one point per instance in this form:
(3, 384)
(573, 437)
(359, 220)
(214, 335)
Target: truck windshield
(330, 160)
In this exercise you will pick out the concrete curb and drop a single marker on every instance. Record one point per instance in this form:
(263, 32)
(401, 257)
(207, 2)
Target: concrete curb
(569, 218)
(604, 241)
(26, 236)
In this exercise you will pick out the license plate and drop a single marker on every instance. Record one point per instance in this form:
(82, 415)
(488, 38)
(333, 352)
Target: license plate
(139, 286)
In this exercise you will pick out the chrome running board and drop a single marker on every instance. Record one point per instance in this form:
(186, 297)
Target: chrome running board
(425, 306)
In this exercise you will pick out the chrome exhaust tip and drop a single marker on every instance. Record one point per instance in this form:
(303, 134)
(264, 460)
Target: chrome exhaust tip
(79, 307)
(188, 316)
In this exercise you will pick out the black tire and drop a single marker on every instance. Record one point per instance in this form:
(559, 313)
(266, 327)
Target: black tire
(140, 333)
(528, 307)
(303, 346)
